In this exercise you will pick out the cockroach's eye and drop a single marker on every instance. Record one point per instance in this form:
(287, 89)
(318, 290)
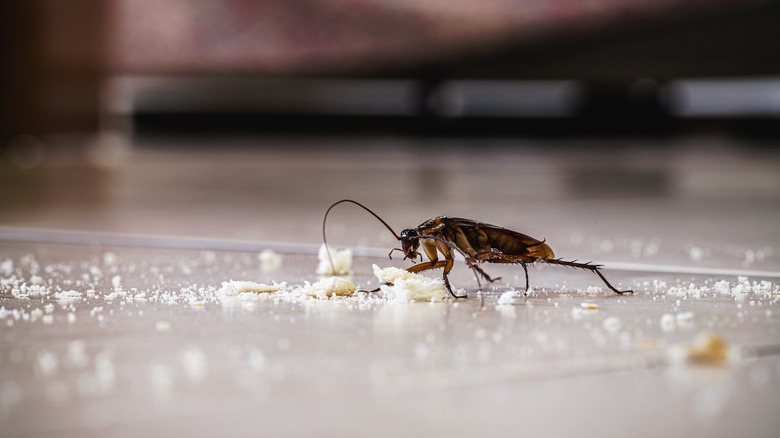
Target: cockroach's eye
(409, 233)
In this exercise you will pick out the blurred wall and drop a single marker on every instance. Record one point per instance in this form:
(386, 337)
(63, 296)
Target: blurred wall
(52, 62)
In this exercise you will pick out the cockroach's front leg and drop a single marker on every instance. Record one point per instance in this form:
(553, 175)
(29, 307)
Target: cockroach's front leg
(424, 266)
(446, 264)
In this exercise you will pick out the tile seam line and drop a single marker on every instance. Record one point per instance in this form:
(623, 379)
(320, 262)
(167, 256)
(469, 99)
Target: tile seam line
(59, 236)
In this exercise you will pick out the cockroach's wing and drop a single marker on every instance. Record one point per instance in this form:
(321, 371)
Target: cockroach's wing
(508, 241)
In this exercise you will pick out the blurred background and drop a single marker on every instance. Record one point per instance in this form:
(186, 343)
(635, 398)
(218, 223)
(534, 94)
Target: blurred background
(654, 122)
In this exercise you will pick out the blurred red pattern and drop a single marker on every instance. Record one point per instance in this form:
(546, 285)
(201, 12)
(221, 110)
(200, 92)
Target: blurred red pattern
(348, 36)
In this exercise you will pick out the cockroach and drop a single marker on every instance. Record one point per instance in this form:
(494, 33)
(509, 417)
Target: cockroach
(477, 242)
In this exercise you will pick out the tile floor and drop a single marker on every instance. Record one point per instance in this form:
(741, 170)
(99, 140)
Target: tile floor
(113, 324)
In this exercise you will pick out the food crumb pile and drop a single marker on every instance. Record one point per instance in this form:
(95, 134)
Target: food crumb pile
(395, 284)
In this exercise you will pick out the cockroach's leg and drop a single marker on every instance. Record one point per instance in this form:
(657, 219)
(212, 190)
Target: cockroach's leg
(449, 261)
(525, 268)
(619, 292)
(424, 266)
(447, 269)
(473, 265)
(590, 267)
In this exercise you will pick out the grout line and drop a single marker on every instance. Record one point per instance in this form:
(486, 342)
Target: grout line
(33, 235)
(12, 234)
(675, 269)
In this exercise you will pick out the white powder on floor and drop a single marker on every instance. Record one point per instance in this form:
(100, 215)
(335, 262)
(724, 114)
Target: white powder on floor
(342, 261)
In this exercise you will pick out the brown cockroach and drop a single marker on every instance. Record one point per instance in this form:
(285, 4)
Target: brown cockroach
(476, 241)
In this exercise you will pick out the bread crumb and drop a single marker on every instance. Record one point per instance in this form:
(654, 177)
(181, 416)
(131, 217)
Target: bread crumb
(328, 287)
(706, 349)
(68, 297)
(511, 297)
(233, 287)
(342, 261)
(270, 260)
(667, 322)
(593, 290)
(589, 306)
(35, 314)
(612, 324)
(402, 285)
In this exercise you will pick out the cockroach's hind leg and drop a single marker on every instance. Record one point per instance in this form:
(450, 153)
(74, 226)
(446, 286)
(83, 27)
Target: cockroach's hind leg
(373, 291)
(590, 267)
(619, 292)
(525, 268)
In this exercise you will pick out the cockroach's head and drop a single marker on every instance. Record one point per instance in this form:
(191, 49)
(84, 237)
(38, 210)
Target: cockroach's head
(410, 242)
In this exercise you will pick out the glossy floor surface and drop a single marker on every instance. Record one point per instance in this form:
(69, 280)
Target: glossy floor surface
(114, 322)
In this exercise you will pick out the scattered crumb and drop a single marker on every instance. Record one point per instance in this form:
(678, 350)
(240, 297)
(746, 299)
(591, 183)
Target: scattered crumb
(342, 261)
(68, 297)
(402, 285)
(77, 355)
(232, 287)
(328, 287)
(35, 314)
(593, 290)
(647, 344)
(162, 326)
(511, 297)
(612, 324)
(194, 363)
(589, 306)
(706, 349)
(270, 260)
(7, 267)
(667, 322)
(685, 319)
(109, 259)
(696, 253)
(47, 362)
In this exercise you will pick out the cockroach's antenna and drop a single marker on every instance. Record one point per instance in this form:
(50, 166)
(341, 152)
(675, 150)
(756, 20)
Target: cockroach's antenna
(325, 219)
